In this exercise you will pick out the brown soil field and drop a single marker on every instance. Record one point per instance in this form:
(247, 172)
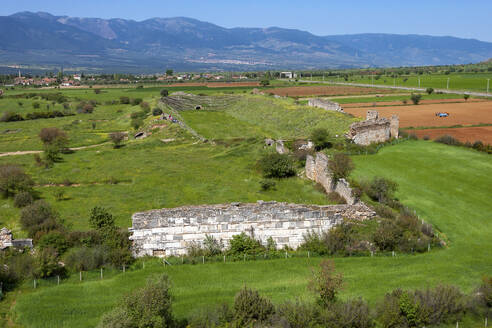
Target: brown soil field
(215, 84)
(422, 102)
(469, 113)
(471, 134)
(324, 91)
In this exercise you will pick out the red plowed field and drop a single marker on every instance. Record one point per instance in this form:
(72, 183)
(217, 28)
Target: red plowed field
(471, 134)
(424, 115)
(422, 102)
(216, 84)
(324, 91)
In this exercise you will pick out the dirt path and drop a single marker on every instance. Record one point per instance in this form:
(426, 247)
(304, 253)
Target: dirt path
(30, 152)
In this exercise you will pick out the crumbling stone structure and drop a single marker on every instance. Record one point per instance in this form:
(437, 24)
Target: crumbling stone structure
(169, 231)
(7, 240)
(374, 129)
(1, 92)
(325, 104)
(317, 170)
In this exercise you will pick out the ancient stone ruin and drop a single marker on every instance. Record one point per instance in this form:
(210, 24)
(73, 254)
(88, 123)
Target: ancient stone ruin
(325, 104)
(169, 231)
(317, 170)
(7, 240)
(374, 129)
(1, 92)
(279, 146)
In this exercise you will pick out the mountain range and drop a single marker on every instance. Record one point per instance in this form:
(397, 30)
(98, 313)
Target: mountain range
(120, 45)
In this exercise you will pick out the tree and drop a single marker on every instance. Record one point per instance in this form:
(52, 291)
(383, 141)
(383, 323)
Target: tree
(169, 72)
(250, 307)
(321, 139)
(164, 93)
(38, 218)
(149, 307)
(415, 98)
(55, 141)
(117, 138)
(13, 180)
(382, 189)
(276, 165)
(326, 283)
(264, 82)
(466, 96)
(340, 166)
(429, 90)
(101, 218)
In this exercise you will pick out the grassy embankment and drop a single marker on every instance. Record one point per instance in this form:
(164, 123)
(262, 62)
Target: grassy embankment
(448, 186)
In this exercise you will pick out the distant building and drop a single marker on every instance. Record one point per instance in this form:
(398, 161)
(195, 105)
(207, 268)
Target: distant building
(288, 75)
(77, 77)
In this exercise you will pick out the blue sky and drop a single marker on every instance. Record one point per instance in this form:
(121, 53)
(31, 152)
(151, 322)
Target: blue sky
(468, 19)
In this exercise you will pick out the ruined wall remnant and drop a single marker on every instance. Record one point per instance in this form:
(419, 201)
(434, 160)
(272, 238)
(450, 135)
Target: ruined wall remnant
(374, 129)
(169, 231)
(317, 170)
(325, 104)
(7, 240)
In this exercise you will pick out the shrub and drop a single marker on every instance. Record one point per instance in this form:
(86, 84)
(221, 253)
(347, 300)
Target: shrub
(298, 314)
(350, 314)
(36, 105)
(124, 100)
(194, 249)
(156, 111)
(211, 317)
(387, 236)
(212, 246)
(326, 283)
(135, 101)
(55, 240)
(51, 135)
(164, 93)
(466, 96)
(250, 307)
(485, 293)
(47, 264)
(150, 306)
(37, 218)
(55, 141)
(429, 90)
(321, 139)
(85, 258)
(14, 180)
(267, 184)
(145, 107)
(340, 166)
(244, 244)
(136, 123)
(478, 145)
(382, 189)
(276, 165)
(313, 242)
(117, 138)
(23, 199)
(338, 239)
(11, 117)
(100, 218)
(442, 304)
(448, 140)
(415, 98)
(97, 91)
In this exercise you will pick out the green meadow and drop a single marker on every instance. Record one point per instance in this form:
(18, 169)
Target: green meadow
(447, 186)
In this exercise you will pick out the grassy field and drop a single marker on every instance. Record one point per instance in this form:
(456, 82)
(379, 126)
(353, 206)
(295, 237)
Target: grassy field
(447, 186)
(457, 81)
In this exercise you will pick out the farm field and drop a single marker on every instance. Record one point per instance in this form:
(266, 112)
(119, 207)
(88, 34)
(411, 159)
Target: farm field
(449, 196)
(457, 81)
(424, 115)
(304, 91)
(463, 134)
(422, 102)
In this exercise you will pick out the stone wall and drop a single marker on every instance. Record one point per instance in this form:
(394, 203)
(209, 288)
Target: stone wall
(374, 129)
(169, 231)
(7, 240)
(317, 170)
(325, 104)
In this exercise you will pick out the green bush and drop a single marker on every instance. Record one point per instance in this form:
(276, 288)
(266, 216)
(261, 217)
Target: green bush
(22, 199)
(326, 283)
(14, 180)
(164, 93)
(381, 189)
(156, 111)
(47, 264)
(244, 244)
(448, 140)
(149, 307)
(415, 98)
(38, 219)
(136, 101)
(429, 90)
(321, 139)
(212, 246)
(85, 258)
(124, 100)
(251, 308)
(54, 240)
(276, 165)
(340, 166)
(11, 117)
(267, 184)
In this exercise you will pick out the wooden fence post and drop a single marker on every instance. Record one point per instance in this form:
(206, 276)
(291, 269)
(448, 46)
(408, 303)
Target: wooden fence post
(58, 280)
(80, 275)
(101, 273)
(203, 259)
(34, 283)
